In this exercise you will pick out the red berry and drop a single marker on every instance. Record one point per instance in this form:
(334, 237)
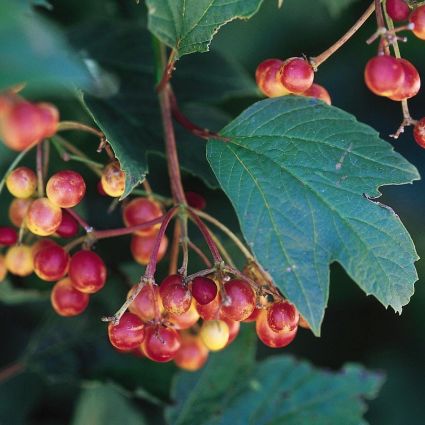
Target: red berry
(240, 300)
(66, 189)
(195, 200)
(113, 180)
(22, 182)
(419, 132)
(417, 18)
(66, 300)
(204, 290)
(253, 316)
(19, 260)
(384, 75)
(43, 217)
(87, 272)
(234, 328)
(175, 295)
(192, 354)
(68, 227)
(411, 82)
(41, 244)
(319, 92)
(8, 236)
(49, 116)
(211, 310)
(271, 338)
(397, 10)
(185, 320)
(267, 78)
(161, 344)
(144, 304)
(141, 248)
(282, 315)
(51, 262)
(296, 75)
(128, 334)
(18, 210)
(142, 210)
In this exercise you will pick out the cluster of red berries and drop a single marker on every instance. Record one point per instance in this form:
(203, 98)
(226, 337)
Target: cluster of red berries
(162, 323)
(293, 76)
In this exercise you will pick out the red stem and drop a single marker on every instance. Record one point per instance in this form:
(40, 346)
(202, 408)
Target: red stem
(11, 370)
(80, 220)
(111, 233)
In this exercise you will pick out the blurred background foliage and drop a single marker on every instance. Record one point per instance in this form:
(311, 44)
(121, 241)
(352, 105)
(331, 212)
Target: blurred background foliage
(61, 354)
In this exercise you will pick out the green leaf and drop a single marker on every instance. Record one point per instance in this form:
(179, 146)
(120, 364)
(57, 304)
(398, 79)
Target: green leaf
(11, 295)
(336, 7)
(124, 102)
(301, 176)
(188, 26)
(105, 404)
(34, 51)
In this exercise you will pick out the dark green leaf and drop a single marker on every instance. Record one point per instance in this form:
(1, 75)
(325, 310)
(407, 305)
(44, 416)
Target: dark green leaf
(301, 176)
(12, 295)
(336, 7)
(188, 26)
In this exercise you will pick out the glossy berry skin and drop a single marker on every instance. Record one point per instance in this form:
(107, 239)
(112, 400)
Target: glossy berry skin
(282, 316)
(240, 300)
(175, 295)
(411, 82)
(267, 78)
(66, 189)
(296, 75)
(139, 211)
(141, 248)
(18, 210)
(211, 310)
(397, 10)
(43, 218)
(51, 263)
(253, 316)
(21, 182)
(68, 228)
(42, 243)
(87, 272)
(49, 116)
(319, 92)
(234, 328)
(66, 300)
(128, 334)
(271, 338)
(419, 132)
(383, 75)
(417, 18)
(8, 236)
(204, 290)
(214, 334)
(195, 200)
(144, 304)
(3, 269)
(19, 260)
(185, 320)
(113, 180)
(161, 344)
(192, 354)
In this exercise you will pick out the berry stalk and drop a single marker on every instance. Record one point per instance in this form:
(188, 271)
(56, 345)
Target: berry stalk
(39, 168)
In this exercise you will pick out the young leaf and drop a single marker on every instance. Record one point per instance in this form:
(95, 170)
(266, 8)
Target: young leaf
(188, 26)
(301, 176)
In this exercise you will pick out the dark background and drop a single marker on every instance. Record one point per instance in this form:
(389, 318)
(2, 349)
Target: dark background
(356, 328)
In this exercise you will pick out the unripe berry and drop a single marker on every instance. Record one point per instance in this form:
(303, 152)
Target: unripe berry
(271, 338)
(128, 334)
(142, 210)
(419, 132)
(141, 248)
(87, 272)
(18, 210)
(195, 200)
(185, 320)
(161, 344)
(43, 217)
(319, 92)
(3, 268)
(175, 295)
(66, 300)
(8, 236)
(268, 79)
(192, 354)
(51, 263)
(19, 260)
(21, 182)
(282, 315)
(68, 227)
(417, 18)
(204, 290)
(214, 334)
(66, 189)
(384, 75)
(240, 300)
(113, 180)
(397, 10)
(411, 82)
(144, 304)
(296, 75)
